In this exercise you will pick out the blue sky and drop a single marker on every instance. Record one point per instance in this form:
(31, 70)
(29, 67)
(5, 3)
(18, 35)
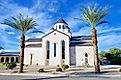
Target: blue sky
(47, 12)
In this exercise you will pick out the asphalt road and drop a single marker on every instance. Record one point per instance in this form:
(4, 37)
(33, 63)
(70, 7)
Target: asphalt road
(59, 78)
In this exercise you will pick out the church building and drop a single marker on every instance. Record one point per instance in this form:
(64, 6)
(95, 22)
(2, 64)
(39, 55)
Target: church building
(58, 46)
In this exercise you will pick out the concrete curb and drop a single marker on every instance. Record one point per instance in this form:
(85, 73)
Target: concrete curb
(46, 75)
(97, 75)
(37, 75)
(40, 76)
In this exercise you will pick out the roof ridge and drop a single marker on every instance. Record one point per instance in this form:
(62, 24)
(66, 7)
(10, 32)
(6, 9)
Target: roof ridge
(61, 20)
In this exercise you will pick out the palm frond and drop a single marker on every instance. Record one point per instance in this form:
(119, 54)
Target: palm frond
(94, 14)
(1, 47)
(11, 24)
(102, 22)
(20, 23)
(101, 14)
(37, 32)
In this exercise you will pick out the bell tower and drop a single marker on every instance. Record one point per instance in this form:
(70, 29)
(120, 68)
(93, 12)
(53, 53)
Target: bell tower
(62, 26)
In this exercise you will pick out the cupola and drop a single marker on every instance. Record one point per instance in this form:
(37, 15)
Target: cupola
(62, 26)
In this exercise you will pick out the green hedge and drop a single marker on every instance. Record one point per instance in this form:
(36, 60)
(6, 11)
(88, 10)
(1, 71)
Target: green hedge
(64, 66)
(120, 70)
(41, 70)
(10, 65)
(58, 69)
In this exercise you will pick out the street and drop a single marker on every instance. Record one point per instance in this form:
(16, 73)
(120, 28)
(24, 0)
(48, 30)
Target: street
(58, 78)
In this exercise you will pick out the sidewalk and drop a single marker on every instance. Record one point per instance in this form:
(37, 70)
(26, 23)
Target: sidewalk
(105, 72)
(66, 74)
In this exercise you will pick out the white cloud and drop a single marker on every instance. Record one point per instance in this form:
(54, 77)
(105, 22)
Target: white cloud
(38, 11)
(72, 18)
(9, 50)
(107, 29)
(41, 12)
(83, 31)
(10, 32)
(3, 27)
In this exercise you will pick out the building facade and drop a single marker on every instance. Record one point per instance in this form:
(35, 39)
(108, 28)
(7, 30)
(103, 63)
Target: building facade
(58, 46)
(9, 57)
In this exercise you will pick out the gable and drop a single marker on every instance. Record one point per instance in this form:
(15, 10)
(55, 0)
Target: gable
(54, 30)
(55, 35)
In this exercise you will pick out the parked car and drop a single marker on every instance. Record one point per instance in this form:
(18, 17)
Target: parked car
(105, 62)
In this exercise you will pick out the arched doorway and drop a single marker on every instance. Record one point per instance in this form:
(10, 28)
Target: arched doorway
(2, 59)
(7, 59)
(47, 52)
(12, 59)
(17, 59)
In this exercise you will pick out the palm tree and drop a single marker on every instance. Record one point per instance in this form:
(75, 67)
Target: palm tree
(94, 15)
(22, 24)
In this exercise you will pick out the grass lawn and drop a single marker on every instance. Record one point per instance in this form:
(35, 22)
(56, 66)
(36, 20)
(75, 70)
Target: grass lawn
(1, 65)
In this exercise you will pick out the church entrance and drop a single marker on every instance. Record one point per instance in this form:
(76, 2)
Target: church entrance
(47, 53)
(31, 59)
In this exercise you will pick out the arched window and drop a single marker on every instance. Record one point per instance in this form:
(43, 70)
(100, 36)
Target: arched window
(62, 26)
(63, 49)
(48, 50)
(7, 59)
(2, 59)
(12, 59)
(86, 55)
(86, 58)
(17, 59)
(54, 49)
(59, 26)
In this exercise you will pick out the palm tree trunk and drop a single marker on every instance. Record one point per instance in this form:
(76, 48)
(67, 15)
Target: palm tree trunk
(22, 46)
(95, 49)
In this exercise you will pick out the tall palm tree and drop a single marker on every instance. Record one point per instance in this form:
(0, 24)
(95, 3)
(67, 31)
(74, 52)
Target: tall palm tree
(22, 24)
(94, 15)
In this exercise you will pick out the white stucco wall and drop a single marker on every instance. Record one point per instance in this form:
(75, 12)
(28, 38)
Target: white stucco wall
(80, 55)
(56, 37)
(37, 56)
(74, 55)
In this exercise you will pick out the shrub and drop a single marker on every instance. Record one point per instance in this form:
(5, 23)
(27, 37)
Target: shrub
(10, 65)
(58, 65)
(115, 60)
(120, 70)
(58, 69)
(13, 64)
(64, 66)
(41, 70)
